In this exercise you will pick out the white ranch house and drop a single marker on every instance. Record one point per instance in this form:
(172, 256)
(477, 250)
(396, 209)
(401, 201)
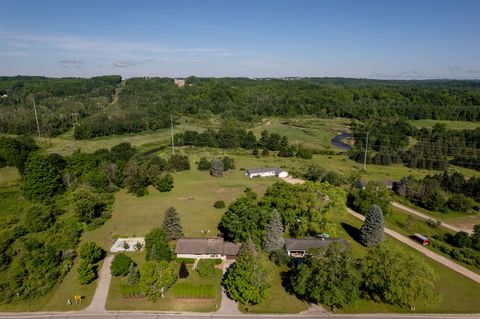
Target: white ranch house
(266, 172)
(206, 248)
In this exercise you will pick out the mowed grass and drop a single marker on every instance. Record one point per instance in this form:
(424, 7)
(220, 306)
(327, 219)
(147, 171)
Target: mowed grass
(454, 125)
(457, 294)
(193, 196)
(115, 300)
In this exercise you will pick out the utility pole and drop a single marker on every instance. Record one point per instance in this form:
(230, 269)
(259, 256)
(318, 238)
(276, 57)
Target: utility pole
(171, 125)
(365, 158)
(36, 118)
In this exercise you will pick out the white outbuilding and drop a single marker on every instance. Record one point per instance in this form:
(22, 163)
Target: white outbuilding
(266, 172)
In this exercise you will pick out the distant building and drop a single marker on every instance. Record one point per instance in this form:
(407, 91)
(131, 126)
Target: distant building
(180, 82)
(206, 248)
(297, 248)
(266, 172)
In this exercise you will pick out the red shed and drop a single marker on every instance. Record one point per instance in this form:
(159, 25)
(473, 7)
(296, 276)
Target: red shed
(421, 239)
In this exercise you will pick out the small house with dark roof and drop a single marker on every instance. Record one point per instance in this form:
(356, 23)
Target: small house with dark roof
(206, 248)
(297, 248)
(388, 183)
(266, 172)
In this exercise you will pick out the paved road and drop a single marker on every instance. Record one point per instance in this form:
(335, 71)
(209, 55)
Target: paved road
(151, 315)
(444, 261)
(426, 217)
(100, 298)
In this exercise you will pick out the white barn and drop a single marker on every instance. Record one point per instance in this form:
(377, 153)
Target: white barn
(266, 172)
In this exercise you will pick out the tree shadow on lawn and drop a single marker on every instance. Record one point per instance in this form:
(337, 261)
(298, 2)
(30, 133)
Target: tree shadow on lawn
(354, 232)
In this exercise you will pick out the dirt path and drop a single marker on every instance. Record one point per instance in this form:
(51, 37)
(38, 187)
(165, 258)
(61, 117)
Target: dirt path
(100, 298)
(426, 217)
(227, 305)
(438, 258)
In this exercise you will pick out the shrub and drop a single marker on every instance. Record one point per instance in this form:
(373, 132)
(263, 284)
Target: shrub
(219, 204)
(280, 257)
(183, 271)
(164, 183)
(203, 164)
(91, 253)
(120, 265)
(86, 273)
(206, 267)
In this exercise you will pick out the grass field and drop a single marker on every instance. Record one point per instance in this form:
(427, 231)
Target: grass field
(454, 125)
(462, 220)
(457, 294)
(398, 221)
(9, 176)
(311, 132)
(115, 301)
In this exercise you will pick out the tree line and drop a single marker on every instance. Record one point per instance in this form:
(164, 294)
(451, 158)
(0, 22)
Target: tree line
(389, 142)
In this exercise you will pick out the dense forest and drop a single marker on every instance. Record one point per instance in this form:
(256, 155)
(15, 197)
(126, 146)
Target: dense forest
(146, 103)
(396, 141)
(60, 103)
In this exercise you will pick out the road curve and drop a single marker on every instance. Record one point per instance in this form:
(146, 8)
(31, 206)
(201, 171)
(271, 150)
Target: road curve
(438, 258)
(426, 217)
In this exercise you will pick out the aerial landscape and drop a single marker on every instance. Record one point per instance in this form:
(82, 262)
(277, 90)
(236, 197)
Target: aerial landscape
(234, 159)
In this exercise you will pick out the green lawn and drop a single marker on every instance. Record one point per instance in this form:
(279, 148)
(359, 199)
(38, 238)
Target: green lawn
(115, 301)
(462, 220)
(9, 176)
(457, 294)
(398, 221)
(455, 125)
(278, 300)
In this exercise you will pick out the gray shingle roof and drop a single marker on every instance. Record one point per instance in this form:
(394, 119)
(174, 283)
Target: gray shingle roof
(293, 244)
(206, 246)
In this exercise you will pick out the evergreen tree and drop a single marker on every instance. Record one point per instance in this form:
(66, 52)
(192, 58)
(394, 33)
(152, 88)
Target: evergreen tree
(250, 140)
(274, 240)
(217, 168)
(203, 164)
(247, 280)
(265, 152)
(228, 163)
(86, 272)
(172, 226)
(183, 271)
(401, 188)
(132, 277)
(255, 152)
(371, 233)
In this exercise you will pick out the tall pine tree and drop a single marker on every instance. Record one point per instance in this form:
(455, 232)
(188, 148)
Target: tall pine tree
(171, 224)
(371, 233)
(274, 240)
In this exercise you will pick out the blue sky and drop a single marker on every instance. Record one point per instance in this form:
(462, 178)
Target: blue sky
(399, 39)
